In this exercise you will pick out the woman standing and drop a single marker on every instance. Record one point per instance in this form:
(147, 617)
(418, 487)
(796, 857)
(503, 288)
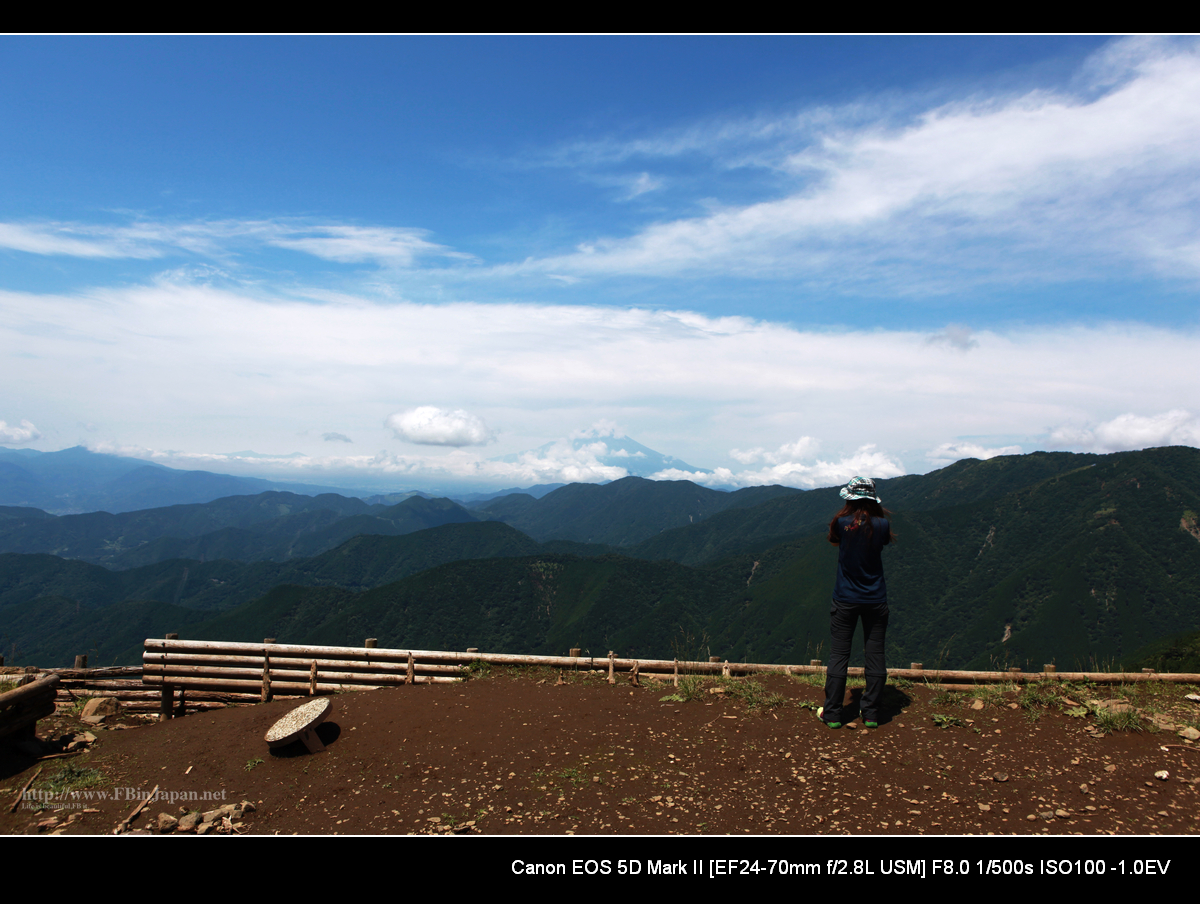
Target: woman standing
(860, 531)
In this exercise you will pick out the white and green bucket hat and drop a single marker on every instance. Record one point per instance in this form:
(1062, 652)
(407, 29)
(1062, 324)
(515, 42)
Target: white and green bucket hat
(860, 488)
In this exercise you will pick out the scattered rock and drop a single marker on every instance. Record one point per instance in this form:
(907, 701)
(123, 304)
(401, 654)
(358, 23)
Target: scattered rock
(189, 822)
(1190, 733)
(1162, 775)
(1000, 776)
(167, 822)
(977, 704)
(1162, 723)
(1116, 705)
(98, 709)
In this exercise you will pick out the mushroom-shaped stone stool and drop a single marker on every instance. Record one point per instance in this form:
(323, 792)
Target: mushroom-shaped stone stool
(301, 725)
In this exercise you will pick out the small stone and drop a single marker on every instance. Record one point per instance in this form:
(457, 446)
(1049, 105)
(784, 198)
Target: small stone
(1162, 775)
(977, 704)
(1000, 777)
(1061, 813)
(189, 822)
(1084, 788)
(96, 709)
(1110, 768)
(167, 822)
(984, 807)
(1190, 733)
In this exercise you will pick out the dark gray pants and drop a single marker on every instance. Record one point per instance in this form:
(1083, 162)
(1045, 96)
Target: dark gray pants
(843, 619)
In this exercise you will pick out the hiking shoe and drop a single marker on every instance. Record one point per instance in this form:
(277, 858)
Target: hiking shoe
(871, 724)
(821, 716)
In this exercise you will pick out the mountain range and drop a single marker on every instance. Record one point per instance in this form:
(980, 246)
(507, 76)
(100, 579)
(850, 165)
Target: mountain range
(1080, 560)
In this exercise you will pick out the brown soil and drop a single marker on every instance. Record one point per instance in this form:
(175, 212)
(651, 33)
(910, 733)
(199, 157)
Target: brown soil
(518, 753)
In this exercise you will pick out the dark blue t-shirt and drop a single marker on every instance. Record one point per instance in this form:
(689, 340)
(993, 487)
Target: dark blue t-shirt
(860, 561)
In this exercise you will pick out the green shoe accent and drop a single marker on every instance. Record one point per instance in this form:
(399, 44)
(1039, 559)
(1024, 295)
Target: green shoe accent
(871, 724)
(821, 716)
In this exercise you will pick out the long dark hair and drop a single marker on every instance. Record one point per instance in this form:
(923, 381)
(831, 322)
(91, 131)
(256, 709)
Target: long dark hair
(863, 511)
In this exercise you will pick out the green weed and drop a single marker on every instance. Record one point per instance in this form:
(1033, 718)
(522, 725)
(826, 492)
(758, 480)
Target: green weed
(751, 693)
(1037, 694)
(73, 777)
(946, 698)
(478, 669)
(943, 721)
(250, 764)
(1128, 720)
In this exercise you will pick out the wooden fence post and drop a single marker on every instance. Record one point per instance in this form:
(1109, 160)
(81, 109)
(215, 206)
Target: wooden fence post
(166, 705)
(266, 676)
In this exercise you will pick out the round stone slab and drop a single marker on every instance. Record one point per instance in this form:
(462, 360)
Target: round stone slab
(301, 725)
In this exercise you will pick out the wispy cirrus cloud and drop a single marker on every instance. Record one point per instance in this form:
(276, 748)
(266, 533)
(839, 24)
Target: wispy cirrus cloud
(1046, 185)
(145, 239)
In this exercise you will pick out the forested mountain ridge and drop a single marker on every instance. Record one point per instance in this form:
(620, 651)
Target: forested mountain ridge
(1050, 557)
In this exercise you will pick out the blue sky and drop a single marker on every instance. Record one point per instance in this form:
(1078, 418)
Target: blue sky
(392, 261)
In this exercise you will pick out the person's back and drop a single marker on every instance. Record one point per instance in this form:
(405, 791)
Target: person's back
(860, 540)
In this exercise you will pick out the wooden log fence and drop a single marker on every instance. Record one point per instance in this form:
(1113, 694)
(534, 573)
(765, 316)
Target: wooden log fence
(196, 675)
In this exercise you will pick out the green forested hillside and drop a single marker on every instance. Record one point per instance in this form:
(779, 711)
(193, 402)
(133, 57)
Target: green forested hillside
(271, 525)
(1072, 559)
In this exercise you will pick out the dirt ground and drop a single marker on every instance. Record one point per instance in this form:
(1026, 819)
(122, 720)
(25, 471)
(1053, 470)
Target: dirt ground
(516, 752)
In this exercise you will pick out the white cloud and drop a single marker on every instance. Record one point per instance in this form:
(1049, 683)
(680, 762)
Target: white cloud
(229, 371)
(389, 246)
(430, 426)
(17, 435)
(1132, 431)
(73, 239)
(354, 244)
(804, 447)
(336, 438)
(1047, 184)
(955, 335)
(866, 461)
(948, 453)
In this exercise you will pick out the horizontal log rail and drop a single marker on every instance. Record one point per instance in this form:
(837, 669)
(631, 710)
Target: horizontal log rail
(206, 674)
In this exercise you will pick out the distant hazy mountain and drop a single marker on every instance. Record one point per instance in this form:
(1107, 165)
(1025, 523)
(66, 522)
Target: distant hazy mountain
(270, 525)
(77, 480)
